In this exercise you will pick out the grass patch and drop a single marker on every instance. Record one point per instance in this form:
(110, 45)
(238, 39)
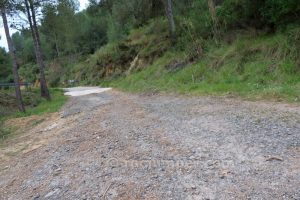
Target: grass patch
(35, 105)
(252, 67)
(44, 106)
(4, 132)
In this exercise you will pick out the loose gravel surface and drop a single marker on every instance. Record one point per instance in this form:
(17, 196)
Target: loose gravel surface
(114, 145)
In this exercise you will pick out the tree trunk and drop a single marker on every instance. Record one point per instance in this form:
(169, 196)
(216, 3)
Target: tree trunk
(14, 62)
(56, 45)
(170, 17)
(37, 45)
(212, 11)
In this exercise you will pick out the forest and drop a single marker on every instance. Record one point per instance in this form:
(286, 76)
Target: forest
(244, 47)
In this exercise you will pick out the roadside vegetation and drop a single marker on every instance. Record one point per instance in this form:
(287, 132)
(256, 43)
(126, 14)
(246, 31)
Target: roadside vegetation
(236, 48)
(220, 47)
(252, 66)
(34, 104)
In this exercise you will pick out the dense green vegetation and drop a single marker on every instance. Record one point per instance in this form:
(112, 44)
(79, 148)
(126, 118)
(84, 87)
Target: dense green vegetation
(243, 47)
(5, 72)
(252, 66)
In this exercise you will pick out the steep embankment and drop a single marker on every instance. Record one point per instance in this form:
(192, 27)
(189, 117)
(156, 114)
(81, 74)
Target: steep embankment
(245, 63)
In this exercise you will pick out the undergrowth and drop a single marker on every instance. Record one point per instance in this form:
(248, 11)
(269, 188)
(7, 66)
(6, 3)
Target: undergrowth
(114, 59)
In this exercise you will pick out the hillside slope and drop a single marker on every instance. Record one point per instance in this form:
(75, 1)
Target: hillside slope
(249, 63)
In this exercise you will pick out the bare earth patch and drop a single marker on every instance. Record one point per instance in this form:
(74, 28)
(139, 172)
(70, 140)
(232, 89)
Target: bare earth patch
(114, 145)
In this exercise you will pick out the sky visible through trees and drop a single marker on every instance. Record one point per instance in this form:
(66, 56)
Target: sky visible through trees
(83, 5)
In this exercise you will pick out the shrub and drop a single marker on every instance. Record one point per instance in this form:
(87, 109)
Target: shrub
(257, 13)
(278, 11)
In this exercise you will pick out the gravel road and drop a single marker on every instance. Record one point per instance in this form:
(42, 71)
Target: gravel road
(114, 145)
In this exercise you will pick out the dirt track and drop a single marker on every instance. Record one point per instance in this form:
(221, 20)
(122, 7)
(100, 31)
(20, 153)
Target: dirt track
(121, 146)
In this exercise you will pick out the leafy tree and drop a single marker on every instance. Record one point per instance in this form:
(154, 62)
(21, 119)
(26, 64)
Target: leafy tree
(5, 63)
(60, 27)
(24, 46)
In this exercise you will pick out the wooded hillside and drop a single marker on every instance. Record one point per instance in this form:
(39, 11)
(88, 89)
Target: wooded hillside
(208, 46)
